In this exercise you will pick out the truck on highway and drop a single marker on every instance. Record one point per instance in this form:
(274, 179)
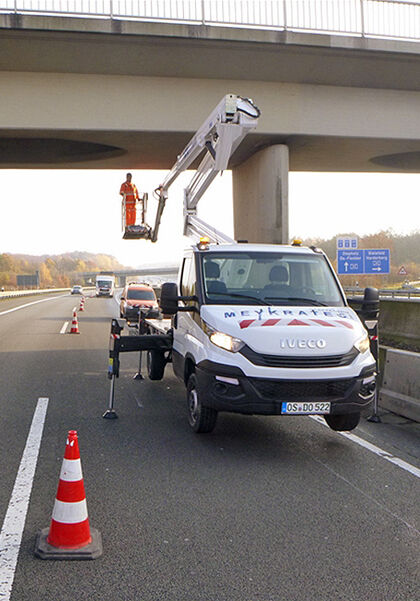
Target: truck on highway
(255, 328)
(105, 284)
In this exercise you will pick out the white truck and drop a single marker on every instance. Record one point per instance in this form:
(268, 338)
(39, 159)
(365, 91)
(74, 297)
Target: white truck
(255, 328)
(105, 284)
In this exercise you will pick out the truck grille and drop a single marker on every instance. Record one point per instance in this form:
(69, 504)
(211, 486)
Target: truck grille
(301, 362)
(289, 389)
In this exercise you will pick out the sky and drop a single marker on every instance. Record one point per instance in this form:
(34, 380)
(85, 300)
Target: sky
(57, 211)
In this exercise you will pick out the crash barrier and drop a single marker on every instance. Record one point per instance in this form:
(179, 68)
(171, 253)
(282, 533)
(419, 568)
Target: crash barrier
(15, 293)
(400, 391)
(400, 320)
(69, 535)
(8, 294)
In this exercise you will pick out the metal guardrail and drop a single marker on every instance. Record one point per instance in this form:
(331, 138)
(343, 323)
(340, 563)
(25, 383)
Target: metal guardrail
(385, 294)
(396, 19)
(16, 293)
(8, 294)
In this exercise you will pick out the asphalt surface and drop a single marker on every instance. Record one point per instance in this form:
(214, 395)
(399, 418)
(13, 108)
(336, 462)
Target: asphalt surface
(264, 508)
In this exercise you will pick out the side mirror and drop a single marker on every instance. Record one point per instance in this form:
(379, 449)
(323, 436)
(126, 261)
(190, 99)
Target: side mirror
(370, 304)
(169, 298)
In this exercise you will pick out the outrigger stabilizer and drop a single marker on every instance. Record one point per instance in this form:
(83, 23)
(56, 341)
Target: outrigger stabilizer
(126, 344)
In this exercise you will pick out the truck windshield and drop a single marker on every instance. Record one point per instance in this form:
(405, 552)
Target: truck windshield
(275, 278)
(104, 283)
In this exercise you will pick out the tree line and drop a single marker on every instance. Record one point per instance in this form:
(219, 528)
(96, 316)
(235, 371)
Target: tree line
(55, 271)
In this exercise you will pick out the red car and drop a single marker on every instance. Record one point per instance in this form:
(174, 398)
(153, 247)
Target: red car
(135, 297)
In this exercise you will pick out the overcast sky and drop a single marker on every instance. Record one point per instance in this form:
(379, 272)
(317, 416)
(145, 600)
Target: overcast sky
(52, 212)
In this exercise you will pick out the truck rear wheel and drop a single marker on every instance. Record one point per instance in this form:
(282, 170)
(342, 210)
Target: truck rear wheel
(202, 419)
(155, 365)
(341, 423)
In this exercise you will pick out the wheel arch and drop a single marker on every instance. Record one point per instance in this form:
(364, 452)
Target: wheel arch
(189, 367)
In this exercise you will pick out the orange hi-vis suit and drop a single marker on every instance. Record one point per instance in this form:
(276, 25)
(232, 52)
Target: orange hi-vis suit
(130, 192)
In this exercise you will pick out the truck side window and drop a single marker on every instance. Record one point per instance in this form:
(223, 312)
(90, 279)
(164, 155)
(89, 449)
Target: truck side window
(188, 277)
(190, 284)
(184, 276)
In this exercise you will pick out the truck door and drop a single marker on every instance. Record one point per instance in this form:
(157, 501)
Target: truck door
(184, 321)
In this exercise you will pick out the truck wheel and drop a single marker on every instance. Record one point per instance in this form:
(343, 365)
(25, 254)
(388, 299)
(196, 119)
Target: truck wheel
(201, 419)
(155, 365)
(340, 423)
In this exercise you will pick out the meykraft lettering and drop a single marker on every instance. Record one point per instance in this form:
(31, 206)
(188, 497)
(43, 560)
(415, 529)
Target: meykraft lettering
(261, 313)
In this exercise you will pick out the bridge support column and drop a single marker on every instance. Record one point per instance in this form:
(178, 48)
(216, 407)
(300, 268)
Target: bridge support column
(261, 195)
(122, 280)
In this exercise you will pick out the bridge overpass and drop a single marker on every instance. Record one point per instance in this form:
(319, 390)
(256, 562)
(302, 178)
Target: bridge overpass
(170, 271)
(109, 93)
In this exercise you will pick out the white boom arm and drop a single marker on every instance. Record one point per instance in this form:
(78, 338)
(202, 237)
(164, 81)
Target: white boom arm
(220, 134)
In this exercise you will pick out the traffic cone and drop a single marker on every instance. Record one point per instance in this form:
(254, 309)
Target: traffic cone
(69, 535)
(82, 306)
(74, 324)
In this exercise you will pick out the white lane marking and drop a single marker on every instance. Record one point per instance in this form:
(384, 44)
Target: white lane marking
(64, 328)
(374, 449)
(33, 303)
(14, 522)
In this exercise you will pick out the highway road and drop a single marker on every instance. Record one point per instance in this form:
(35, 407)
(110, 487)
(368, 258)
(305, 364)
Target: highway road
(263, 509)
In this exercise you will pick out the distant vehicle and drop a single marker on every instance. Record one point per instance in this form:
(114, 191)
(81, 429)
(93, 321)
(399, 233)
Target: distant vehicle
(77, 290)
(105, 285)
(135, 297)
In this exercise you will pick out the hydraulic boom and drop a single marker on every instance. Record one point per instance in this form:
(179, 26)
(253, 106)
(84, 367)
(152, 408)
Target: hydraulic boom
(220, 135)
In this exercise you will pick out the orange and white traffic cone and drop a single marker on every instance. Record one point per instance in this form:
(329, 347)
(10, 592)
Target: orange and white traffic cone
(69, 535)
(74, 324)
(82, 305)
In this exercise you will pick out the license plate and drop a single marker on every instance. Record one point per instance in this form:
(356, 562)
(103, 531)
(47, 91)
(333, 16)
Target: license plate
(306, 408)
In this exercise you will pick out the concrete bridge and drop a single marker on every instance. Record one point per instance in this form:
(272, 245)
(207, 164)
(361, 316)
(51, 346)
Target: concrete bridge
(120, 93)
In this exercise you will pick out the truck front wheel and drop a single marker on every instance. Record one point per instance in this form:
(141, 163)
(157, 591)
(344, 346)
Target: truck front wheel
(155, 365)
(202, 419)
(341, 423)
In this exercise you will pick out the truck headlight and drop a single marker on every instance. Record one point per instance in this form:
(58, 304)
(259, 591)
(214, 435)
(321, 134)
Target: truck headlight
(224, 341)
(363, 344)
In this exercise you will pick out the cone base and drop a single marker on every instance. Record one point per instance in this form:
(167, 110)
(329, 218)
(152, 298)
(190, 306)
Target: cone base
(44, 550)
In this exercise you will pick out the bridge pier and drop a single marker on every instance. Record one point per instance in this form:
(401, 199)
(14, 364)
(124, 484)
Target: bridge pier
(261, 195)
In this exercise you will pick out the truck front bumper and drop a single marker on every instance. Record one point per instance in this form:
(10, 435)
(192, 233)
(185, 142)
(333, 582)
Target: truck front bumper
(227, 388)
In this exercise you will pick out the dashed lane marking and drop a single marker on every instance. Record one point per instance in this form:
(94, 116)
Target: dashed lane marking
(44, 300)
(374, 449)
(14, 522)
(64, 328)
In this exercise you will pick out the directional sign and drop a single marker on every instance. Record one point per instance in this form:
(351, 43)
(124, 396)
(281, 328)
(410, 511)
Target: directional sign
(347, 243)
(377, 260)
(374, 261)
(350, 262)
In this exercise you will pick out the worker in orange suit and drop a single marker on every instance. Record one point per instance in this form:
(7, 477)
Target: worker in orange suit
(129, 191)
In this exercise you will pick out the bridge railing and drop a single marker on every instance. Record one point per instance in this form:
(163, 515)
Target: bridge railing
(396, 19)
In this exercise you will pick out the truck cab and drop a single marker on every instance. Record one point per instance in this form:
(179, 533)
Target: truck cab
(266, 329)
